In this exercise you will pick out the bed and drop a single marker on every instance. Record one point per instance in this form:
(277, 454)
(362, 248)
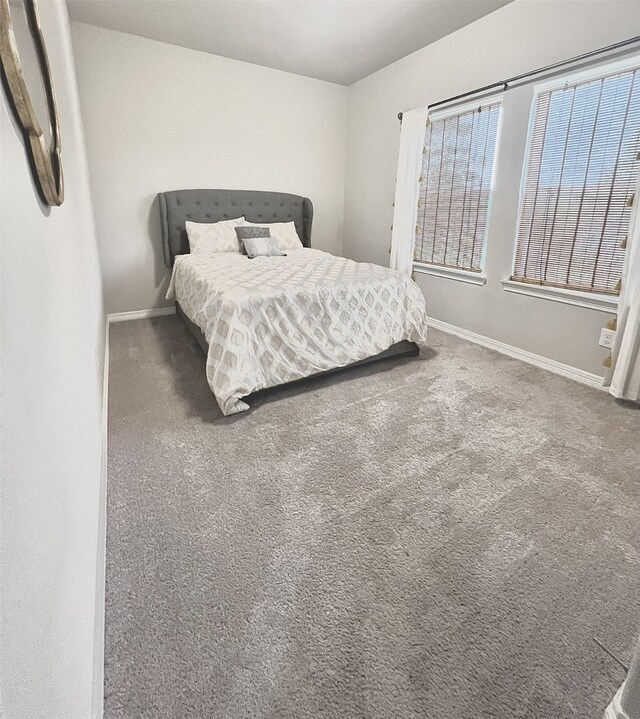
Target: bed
(274, 320)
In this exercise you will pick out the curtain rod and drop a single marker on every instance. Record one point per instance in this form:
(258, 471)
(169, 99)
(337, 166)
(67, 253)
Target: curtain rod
(506, 84)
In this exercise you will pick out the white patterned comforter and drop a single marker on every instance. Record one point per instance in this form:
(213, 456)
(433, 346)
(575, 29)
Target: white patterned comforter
(272, 320)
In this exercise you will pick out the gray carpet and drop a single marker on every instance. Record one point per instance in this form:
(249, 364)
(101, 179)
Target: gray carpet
(437, 537)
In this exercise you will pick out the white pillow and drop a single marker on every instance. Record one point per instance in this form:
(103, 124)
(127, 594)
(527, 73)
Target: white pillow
(284, 232)
(208, 237)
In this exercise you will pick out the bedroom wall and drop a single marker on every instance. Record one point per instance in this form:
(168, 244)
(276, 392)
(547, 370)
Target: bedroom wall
(160, 117)
(51, 434)
(516, 38)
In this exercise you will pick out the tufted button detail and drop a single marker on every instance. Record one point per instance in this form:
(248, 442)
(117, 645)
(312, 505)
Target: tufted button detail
(212, 206)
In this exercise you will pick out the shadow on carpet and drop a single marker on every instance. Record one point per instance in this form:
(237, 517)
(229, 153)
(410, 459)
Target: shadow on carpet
(433, 537)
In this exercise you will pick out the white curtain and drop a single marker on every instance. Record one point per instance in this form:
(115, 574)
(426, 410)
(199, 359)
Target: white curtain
(626, 703)
(407, 189)
(623, 379)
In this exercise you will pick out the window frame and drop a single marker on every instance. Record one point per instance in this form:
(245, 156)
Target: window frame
(601, 301)
(458, 273)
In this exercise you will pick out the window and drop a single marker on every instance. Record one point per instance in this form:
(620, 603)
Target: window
(455, 191)
(578, 179)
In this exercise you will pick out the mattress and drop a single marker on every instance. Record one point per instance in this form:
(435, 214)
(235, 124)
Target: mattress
(272, 320)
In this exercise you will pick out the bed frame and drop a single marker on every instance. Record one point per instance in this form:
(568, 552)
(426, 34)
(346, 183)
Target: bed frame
(178, 206)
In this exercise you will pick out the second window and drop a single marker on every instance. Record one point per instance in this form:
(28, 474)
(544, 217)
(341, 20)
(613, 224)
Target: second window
(456, 185)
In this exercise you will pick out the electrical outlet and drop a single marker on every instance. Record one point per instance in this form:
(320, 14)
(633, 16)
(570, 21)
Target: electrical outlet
(607, 338)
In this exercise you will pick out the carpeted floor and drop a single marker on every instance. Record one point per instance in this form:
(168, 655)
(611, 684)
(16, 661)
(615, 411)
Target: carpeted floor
(436, 538)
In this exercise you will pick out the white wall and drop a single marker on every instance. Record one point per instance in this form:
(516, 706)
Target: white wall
(626, 705)
(517, 38)
(51, 432)
(160, 117)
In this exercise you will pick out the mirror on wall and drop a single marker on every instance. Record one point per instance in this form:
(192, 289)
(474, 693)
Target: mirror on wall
(27, 78)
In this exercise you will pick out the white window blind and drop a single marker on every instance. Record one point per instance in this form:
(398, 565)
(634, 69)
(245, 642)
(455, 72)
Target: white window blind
(455, 190)
(579, 177)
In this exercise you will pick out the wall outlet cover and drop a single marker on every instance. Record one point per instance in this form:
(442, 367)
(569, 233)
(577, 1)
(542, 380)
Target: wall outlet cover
(607, 338)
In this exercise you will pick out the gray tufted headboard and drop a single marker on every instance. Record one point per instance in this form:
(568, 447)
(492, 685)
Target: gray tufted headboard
(177, 206)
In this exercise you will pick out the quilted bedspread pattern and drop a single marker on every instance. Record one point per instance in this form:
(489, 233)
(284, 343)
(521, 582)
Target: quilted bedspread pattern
(271, 320)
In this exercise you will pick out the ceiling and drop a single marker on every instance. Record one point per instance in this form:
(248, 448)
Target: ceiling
(336, 40)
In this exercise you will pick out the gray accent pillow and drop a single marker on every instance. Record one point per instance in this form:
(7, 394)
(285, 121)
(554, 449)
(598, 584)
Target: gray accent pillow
(244, 232)
(262, 247)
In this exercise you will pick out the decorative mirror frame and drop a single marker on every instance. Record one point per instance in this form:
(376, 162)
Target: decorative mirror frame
(46, 161)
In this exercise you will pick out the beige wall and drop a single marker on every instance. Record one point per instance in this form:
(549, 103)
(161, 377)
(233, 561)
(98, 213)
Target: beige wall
(160, 117)
(51, 434)
(517, 38)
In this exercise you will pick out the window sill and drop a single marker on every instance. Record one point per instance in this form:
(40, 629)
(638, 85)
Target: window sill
(451, 273)
(591, 301)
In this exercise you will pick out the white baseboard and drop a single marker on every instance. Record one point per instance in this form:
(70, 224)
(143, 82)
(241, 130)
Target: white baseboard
(578, 375)
(97, 699)
(141, 314)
